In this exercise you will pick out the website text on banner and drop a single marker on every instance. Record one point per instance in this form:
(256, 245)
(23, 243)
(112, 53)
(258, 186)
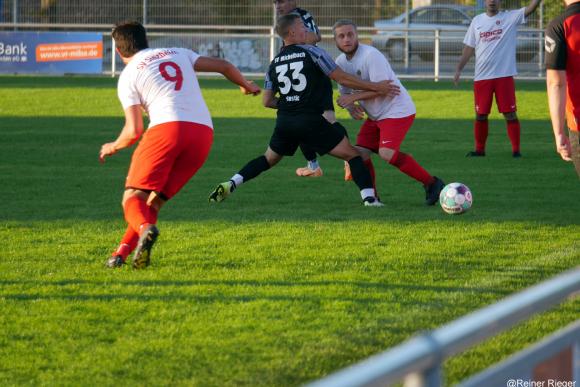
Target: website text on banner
(51, 52)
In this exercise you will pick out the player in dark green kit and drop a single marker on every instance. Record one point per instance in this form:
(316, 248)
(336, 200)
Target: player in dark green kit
(296, 85)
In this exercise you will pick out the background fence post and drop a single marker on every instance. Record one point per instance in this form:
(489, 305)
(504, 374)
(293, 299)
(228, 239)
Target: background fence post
(436, 54)
(15, 13)
(541, 41)
(273, 34)
(144, 12)
(113, 53)
(406, 59)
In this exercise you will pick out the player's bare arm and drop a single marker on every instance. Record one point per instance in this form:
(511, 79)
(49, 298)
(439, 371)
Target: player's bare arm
(468, 51)
(228, 70)
(129, 135)
(269, 99)
(356, 111)
(348, 99)
(556, 84)
(531, 8)
(386, 88)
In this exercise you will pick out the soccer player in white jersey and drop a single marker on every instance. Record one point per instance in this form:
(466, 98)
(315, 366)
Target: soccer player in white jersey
(492, 37)
(163, 83)
(388, 118)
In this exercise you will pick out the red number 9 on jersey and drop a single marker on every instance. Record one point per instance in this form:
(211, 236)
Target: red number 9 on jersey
(177, 78)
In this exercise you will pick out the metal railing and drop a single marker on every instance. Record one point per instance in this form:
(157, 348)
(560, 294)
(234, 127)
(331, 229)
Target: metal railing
(422, 357)
(436, 51)
(431, 59)
(518, 366)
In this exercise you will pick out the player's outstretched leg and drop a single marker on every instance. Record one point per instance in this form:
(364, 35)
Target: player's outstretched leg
(148, 237)
(410, 167)
(248, 172)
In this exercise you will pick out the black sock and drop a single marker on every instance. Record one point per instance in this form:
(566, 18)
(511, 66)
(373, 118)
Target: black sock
(254, 168)
(360, 173)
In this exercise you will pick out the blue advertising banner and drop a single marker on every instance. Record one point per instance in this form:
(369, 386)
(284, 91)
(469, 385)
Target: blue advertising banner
(51, 52)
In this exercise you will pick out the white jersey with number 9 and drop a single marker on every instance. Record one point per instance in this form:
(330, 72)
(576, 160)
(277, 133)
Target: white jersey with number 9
(164, 82)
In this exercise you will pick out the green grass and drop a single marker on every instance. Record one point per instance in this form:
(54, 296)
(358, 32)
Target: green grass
(289, 279)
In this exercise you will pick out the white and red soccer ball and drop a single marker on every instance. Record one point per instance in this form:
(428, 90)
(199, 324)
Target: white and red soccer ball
(455, 198)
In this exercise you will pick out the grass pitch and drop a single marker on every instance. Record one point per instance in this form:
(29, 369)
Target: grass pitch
(287, 280)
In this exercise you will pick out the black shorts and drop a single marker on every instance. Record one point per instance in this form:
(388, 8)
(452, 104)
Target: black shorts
(309, 129)
(327, 100)
(328, 103)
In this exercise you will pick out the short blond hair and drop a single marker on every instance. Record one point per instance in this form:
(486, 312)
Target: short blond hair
(284, 23)
(342, 23)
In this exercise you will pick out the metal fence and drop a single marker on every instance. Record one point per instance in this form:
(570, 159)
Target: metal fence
(231, 28)
(420, 359)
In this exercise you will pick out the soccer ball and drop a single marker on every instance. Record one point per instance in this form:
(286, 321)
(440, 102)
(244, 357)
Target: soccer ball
(455, 198)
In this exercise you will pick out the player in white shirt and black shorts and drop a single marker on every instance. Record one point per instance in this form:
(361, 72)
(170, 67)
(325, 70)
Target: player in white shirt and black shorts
(492, 36)
(388, 118)
(163, 83)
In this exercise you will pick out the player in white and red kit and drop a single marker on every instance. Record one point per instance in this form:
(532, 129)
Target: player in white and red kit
(563, 79)
(492, 36)
(389, 118)
(163, 83)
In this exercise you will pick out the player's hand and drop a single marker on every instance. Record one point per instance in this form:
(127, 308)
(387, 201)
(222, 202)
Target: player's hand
(563, 147)
(107, 149)
(356, 111)
(388, 89)
(456, 78)
(346, 100)
(250, 88)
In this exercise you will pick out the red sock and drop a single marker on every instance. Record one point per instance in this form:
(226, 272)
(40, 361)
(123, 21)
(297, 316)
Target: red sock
(480, 131)
(513, 129)
(371, 168)
(153, 215)
(128, 243)
(137, 213)
(410, 167)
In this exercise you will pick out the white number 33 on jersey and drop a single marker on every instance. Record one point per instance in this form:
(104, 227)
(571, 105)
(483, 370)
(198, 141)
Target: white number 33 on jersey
(285, 83)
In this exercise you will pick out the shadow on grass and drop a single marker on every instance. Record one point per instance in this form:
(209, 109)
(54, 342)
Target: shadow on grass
(439, 296)
(49, 169)
(83, 81)
(261, 284)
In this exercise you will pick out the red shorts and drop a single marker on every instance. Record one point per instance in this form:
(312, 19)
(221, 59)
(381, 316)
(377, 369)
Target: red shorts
(571, 118)
(387, 133)
(505, 95)
(168, 156)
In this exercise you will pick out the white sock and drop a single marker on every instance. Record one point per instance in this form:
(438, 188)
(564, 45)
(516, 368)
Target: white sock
(313, 164)
(237, 179)
(367, 192)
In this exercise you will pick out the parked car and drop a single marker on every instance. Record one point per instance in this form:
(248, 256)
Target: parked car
(451, 20)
